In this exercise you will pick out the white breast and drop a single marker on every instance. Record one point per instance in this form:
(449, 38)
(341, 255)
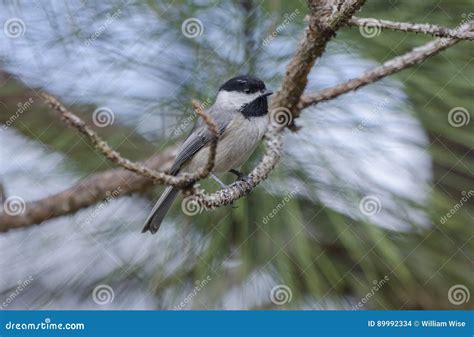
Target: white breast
(235, 146)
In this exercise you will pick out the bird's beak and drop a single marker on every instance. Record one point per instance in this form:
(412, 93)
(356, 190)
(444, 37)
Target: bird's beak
(266, 93)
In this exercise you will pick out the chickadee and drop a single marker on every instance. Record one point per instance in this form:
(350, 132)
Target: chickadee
(240, 112)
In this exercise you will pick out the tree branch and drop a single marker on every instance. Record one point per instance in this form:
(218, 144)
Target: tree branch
(274, 146)
(390, 67)
(421, 28)
(325, 19)
(214, 129)
(182, 180)
(84, 193)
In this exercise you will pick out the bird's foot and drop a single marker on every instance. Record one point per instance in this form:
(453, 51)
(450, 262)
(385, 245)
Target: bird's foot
(218, 181)
(237, 173)
(242, 178)
(245, 179)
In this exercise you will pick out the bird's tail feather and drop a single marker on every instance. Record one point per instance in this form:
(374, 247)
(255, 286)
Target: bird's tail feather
(160, 209)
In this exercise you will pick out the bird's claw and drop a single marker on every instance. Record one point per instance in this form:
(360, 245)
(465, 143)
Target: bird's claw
(242, 178)
(245, 179)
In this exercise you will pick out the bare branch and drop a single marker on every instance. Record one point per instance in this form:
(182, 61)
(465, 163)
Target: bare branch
(84, 193)
(214, 129)
(274, 145)
(182, 180)
(324, 20)
(390, 67)
(421, 28)
(326, 17)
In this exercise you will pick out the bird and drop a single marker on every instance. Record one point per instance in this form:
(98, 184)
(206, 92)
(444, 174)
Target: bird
(240, 111)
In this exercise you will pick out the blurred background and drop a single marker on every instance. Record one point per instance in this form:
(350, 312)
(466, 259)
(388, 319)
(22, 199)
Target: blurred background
(354, 217)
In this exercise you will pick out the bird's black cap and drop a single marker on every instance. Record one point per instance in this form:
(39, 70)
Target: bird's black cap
(243, 83)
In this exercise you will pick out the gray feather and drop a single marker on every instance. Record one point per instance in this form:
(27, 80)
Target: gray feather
(160, 209)
(199, 138)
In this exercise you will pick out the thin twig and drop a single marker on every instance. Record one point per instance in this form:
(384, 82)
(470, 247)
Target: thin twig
(181, 181)
(390, 67)
(421, 28)
(274, 145)
(325, 19)
(214, 129)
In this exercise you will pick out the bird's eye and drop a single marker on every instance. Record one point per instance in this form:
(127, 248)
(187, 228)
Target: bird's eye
(247, 90)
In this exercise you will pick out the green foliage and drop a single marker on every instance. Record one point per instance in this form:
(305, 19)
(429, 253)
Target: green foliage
(327, 258)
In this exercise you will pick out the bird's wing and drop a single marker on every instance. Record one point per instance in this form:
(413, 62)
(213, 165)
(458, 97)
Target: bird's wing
(199, 138)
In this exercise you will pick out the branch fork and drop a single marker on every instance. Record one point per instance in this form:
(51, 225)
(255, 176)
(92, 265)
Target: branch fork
(326, 17)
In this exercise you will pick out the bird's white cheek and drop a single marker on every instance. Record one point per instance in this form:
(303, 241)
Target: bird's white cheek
(234, 99)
